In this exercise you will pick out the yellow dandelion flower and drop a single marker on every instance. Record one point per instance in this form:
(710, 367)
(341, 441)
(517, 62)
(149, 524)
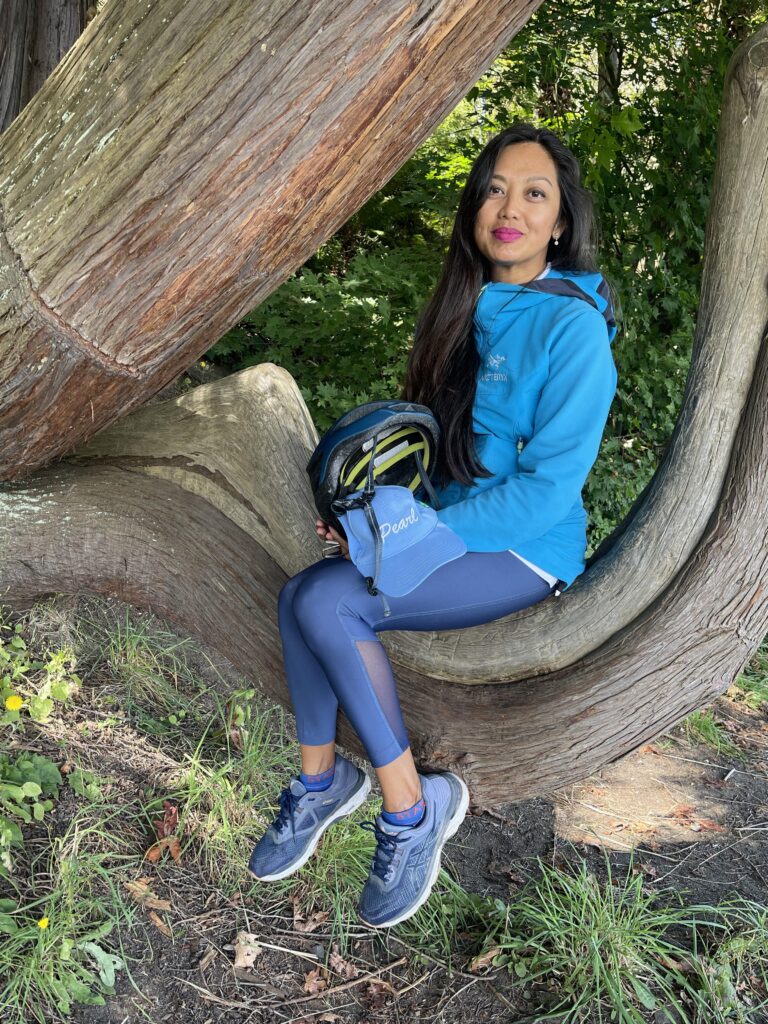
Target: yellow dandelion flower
(14, 702)
(42, 923)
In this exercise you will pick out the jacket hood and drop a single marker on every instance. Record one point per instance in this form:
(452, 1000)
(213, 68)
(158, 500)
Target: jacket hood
(583, 285)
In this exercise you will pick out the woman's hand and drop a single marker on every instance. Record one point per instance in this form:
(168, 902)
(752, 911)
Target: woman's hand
(326, 532)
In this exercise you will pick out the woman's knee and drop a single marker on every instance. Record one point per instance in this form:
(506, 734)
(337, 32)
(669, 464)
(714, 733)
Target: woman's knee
(308, 600)
(287, 595)
(318, 600)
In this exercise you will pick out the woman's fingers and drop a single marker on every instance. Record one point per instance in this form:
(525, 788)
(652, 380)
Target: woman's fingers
(326, 532)
(339, 540)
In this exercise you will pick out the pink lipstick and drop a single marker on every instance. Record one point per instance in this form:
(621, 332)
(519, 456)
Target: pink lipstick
(506, 234)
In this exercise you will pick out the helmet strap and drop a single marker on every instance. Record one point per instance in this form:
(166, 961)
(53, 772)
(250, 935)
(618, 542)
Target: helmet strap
(369, 484)
(426, 481)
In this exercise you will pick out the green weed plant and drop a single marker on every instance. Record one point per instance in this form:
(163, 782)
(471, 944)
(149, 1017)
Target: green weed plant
(607, 950)
(56, 948)
(29, 783)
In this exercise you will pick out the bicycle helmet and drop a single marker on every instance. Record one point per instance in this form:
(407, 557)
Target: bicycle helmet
(390, 442)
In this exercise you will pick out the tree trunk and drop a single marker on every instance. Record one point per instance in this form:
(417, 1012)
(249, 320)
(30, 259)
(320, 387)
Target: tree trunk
(34, 36)
(227, 463)
(180, 163)
(199, 508)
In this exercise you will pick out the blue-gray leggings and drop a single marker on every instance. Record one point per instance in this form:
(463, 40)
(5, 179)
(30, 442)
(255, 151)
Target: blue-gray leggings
(328, 623)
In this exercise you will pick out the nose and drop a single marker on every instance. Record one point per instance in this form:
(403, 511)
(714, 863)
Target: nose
(509, 208)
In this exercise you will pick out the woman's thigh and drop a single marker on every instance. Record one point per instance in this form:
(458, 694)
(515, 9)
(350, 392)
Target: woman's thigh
(477, 587)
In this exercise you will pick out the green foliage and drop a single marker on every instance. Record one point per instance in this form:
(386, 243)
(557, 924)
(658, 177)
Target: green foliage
(55, 951)
(29, 783)
(32, 685)
(610, 949)
(636, 93)
(752, 685)
(344, 338)
(702, 727)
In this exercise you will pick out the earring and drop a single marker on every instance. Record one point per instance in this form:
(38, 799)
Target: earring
(556, 241)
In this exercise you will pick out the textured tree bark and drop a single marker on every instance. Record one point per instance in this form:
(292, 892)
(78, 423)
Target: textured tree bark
(182, 160)
(199, 508)
(34, 36)
(130, 512)
(636, 564)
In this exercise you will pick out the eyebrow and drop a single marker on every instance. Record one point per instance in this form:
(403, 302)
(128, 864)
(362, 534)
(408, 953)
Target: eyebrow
(533, 177)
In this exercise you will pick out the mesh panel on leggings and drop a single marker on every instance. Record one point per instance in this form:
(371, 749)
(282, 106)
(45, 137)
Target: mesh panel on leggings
(384, 687)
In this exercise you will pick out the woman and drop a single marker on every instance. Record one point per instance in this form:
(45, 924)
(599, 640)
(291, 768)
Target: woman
(512, 354)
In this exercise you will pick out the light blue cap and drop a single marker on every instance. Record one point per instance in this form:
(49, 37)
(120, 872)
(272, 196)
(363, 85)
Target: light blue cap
(413, 540)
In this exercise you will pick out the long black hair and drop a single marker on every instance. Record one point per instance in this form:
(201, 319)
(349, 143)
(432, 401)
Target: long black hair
(443, 363)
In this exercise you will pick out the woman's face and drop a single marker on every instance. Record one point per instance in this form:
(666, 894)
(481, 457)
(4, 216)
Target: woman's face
(520, 214)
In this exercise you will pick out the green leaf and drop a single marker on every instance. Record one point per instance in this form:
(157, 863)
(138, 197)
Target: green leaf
(108, 963)
(32, 789)
(61, 689)
(7, 925)
(63, 1001)
(643, 993)
(40, 708)
(626, 121)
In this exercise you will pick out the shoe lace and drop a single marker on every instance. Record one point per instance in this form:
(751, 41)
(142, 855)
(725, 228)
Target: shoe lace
(386, 849)
(288, 806)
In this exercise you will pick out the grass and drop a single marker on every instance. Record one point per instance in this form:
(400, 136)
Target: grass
(224, 795)
(146, 673)
(752, 684)
(702, 727)
(59, 946)
(572, 944)
(605, 950)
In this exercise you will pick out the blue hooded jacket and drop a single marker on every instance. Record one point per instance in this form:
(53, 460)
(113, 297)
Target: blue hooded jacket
(544, 390)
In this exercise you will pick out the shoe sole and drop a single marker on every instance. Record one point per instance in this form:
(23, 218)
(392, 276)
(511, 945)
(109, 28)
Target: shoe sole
(451, 829)
(357, 798)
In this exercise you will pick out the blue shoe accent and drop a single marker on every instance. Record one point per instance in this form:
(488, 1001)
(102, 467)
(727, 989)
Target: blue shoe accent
(304, 815)
(406, 862)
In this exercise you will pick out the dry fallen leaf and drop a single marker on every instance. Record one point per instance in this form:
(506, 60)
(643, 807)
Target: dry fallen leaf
(141, 893)
(207, 958)
(376, 993)
(340, 965)
(711, 826)
(170, 843)
(159, 923)
(301, 924)
(169, 822)
(677, 965)
(313, 983)
(683, 812)
(236, 737)
(484, 959)
(246, 949)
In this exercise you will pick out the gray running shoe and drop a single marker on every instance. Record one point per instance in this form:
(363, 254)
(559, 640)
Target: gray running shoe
(304, 815)
(407, 858)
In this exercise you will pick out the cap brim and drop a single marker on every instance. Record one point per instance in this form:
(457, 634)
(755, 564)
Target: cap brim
(403, 572)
